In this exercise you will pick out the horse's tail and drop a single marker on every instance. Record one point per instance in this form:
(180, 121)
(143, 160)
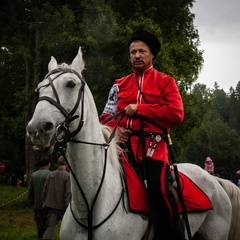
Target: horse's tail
(233, 193)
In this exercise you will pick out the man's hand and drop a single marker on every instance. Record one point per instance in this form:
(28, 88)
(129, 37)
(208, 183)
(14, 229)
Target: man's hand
(123, 134)
(131, 110)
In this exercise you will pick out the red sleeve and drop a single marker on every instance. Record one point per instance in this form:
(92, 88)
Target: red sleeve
(168, 112)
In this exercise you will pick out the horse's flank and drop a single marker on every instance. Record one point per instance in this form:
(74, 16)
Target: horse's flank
(234, 195)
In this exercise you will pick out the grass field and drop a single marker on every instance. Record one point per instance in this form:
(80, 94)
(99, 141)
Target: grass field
(16, 217)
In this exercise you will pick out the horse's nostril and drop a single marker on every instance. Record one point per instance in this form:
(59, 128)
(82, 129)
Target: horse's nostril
(30, 129)
(48, 126)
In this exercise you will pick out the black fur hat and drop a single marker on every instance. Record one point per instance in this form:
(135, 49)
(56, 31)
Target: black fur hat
(150, 39)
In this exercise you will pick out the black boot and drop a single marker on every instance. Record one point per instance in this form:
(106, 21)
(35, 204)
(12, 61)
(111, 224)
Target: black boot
(177, 232)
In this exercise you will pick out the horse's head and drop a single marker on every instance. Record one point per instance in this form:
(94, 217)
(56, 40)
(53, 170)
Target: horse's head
(59, 111)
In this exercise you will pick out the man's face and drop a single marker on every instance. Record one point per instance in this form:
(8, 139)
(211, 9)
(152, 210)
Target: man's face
(140, 55)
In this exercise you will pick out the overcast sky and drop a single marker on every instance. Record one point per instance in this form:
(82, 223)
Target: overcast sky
(218, 23)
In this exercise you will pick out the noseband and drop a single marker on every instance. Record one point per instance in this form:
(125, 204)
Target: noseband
(69, 116)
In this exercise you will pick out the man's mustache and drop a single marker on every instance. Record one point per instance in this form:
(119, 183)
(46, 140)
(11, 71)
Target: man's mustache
(138, 61)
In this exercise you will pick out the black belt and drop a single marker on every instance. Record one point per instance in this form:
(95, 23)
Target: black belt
(147, 134)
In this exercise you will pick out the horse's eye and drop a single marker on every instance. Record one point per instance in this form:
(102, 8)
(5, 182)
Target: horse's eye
(71, 84)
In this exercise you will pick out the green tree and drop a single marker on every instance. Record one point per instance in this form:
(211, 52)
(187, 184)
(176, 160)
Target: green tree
(14, 69)
(197, 103)
(221, 104)
(234, 108)
(27, 44)
(217, 140)
(216, 136)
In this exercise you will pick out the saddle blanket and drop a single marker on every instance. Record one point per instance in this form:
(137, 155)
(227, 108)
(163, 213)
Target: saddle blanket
(195, 199)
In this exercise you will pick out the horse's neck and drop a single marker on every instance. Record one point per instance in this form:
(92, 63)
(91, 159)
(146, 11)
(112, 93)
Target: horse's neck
(86, 156)
(87, 162)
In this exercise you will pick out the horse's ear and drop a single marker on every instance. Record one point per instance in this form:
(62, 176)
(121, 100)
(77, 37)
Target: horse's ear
(52, 64)
(78, 62)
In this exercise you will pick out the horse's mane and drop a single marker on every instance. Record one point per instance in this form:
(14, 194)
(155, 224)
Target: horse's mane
(234, 195)
(114, 148)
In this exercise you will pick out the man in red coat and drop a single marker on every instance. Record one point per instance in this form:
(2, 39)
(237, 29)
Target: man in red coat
(152, 103)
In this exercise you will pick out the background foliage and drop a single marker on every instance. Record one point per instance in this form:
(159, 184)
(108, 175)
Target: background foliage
(34, 30)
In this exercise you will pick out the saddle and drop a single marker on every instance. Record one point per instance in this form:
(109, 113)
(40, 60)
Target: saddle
(195, 199)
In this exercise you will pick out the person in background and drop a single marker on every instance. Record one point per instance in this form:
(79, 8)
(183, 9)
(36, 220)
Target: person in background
(2, 167)
(152, 104)
(209, 165)
(35, 189)
(56, 196)
(238, 183)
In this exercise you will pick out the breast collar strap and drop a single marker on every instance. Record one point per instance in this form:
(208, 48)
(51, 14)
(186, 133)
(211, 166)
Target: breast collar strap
(89, 226)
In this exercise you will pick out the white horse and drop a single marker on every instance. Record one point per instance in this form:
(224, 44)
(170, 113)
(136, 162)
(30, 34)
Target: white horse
(66, 115)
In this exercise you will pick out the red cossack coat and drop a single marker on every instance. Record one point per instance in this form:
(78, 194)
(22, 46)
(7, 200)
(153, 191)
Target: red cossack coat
(163, 108)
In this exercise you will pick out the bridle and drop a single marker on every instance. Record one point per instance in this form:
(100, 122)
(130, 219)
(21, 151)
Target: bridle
(69, 116)
(69, 137)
